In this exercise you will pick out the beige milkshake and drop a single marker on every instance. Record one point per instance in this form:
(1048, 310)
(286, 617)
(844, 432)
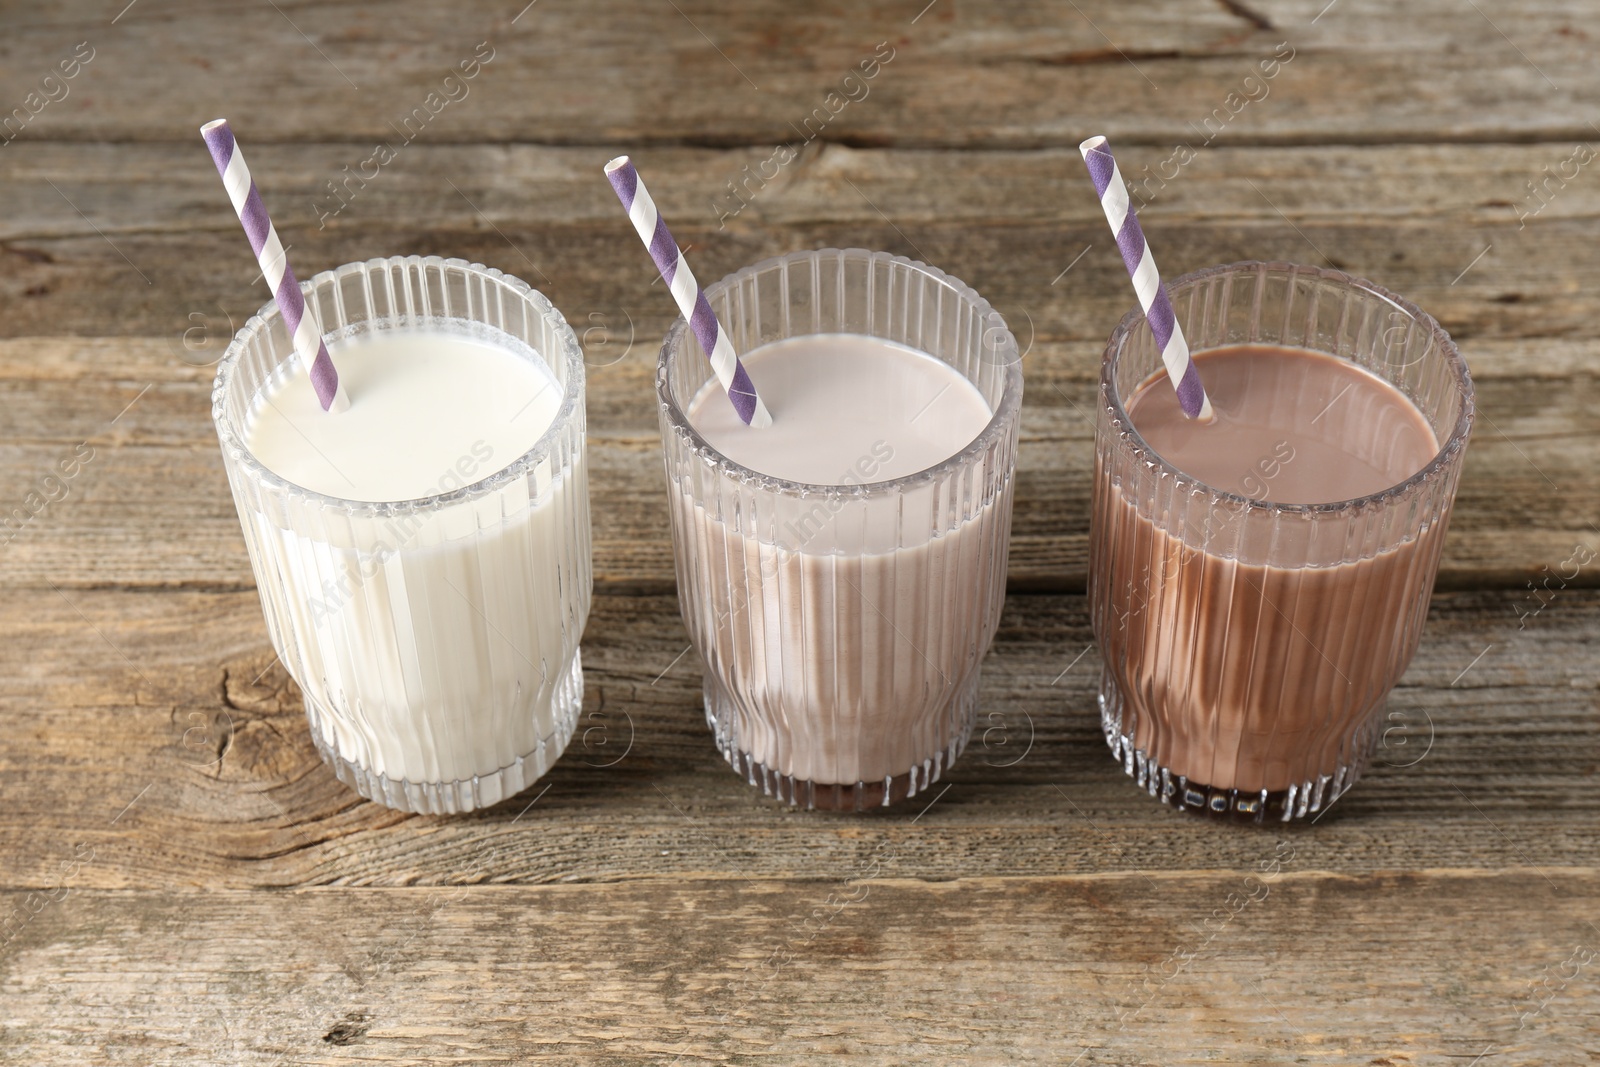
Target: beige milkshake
(864, 660)
(841, 586)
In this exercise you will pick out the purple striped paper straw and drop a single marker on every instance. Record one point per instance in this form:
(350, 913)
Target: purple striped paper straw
(1146, 279)
(303, 328)
(686, 291)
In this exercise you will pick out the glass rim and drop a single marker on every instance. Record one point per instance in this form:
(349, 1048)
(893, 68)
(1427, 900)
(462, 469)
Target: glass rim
(1449, 449)
(571, 400)
(1004, 414)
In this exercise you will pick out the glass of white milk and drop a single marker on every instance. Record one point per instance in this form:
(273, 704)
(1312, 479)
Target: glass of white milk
(423, 558)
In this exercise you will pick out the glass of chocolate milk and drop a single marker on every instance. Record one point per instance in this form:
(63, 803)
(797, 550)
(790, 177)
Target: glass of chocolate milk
(841, 571)
(1259, 584)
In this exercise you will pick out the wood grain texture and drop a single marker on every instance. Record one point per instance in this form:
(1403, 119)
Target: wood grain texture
(186, 882)
(847, 966)
(963, 74)
(139, 240)
(1491, 760)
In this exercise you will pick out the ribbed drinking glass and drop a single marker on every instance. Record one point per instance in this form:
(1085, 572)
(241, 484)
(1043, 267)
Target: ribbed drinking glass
(841, 627)
(435, 639)
(1249, 647)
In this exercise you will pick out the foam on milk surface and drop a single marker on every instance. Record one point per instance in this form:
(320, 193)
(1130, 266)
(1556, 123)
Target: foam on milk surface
(846, 409)
(431, 410)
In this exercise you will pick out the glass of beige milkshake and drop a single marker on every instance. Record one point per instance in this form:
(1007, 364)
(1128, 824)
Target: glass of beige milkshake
(841, 572)
(1258, 585)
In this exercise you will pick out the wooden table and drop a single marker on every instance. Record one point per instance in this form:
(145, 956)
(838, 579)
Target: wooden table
(185, 882)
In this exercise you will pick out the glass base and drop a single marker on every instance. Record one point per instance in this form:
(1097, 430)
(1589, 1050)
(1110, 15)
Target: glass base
(1232, 805)
(843, 796)
(465, 794)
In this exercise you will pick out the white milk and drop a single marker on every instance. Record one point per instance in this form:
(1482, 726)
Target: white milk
(435, 644)
(439, 410)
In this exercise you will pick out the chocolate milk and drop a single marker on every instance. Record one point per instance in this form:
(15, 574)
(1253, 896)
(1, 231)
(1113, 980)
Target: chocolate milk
(842, 637)
(1252, 655)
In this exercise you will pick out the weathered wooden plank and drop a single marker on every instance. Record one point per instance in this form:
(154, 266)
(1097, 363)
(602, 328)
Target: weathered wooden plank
(1018, 74)
(853, 966)
(168, 259)
(117, 700)
(152, 506)
(1040, 908)
(166, 187)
